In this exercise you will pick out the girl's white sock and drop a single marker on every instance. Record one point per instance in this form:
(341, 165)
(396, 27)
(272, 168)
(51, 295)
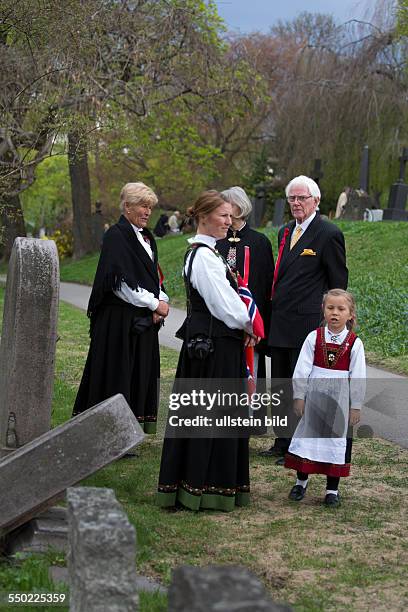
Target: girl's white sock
(302, 483)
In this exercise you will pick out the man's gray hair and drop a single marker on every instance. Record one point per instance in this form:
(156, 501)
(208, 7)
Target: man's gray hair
(236, 195)
(304, 181)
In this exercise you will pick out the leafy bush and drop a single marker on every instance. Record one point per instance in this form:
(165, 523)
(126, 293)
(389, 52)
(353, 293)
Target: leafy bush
(64, 241)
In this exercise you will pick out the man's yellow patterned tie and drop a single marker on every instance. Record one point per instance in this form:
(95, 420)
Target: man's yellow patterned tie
(295, 237)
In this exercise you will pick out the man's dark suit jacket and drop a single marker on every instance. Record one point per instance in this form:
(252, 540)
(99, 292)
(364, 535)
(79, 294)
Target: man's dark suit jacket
(303, 279)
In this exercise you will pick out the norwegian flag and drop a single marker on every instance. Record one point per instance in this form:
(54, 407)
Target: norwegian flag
(255, 316)
(246, 296)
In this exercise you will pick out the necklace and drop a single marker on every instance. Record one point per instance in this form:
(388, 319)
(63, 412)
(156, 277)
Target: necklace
(332, 355)
(234, 238)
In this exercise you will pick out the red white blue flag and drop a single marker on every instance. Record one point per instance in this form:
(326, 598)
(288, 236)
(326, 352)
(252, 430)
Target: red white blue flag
(247, 297)
(255, 316)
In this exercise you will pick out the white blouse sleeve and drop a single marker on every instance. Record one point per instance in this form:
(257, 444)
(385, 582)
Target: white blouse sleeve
(304, 366)
(208, 278)
(357, 375)
(138, 297)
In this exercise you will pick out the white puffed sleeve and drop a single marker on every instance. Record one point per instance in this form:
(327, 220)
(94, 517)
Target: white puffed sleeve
(208, 278)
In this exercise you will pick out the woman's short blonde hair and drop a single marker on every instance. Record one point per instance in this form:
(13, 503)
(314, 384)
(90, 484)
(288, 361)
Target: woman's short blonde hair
(137, 193)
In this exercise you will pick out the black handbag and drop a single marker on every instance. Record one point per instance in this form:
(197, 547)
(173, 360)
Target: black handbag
(140, 324)
(201, 345)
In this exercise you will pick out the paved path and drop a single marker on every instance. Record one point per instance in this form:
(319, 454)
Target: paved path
(78, 295)
(386, 407)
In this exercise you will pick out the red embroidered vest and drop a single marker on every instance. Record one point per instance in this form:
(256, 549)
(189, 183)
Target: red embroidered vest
(333, 356)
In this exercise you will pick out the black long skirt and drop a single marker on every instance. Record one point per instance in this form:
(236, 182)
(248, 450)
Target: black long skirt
(120, 361)
(202, 472)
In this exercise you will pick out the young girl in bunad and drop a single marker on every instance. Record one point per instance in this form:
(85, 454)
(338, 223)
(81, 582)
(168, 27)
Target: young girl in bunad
(329, 388)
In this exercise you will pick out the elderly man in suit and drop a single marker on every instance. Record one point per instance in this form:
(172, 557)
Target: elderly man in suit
(311, 260)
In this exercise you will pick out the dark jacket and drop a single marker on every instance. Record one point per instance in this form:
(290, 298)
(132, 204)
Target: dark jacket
(303, 279)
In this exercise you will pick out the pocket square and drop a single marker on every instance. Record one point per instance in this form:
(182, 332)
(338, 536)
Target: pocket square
(308, 252)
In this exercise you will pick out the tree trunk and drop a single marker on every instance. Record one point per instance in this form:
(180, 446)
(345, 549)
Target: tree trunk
(12, 224)
(81, 195)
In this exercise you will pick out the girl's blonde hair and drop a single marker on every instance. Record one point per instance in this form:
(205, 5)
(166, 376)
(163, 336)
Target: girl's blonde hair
(352, 322)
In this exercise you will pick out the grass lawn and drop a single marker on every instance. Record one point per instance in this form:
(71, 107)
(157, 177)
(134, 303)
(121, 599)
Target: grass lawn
(378, 264)
(353, 558)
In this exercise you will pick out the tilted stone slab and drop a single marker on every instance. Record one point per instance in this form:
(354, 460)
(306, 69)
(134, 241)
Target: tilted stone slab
(219, 588)
(102, 553)
(37, 474)
(27, 349)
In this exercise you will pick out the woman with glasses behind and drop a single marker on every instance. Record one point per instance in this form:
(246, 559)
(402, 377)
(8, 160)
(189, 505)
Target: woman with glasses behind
(245, 244)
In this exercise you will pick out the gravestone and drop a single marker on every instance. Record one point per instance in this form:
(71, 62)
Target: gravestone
(27, 349)
(278, 213)
(102, 552)
(357, 204)
(397, 200)
(35, 476)
(219, 588)
(258, 206)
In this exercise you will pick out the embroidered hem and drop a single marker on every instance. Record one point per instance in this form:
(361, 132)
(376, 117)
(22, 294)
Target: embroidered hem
(207, 499)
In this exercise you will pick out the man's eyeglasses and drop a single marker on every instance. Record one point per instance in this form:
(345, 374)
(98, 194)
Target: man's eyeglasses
(301, 199)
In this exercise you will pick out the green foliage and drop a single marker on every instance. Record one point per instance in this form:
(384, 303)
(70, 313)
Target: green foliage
(402, 15)
(165, 150)
(64, 241)
(48, 201)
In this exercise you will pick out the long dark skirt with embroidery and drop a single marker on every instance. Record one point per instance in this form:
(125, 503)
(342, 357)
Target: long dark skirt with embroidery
(122, 361)
(207, 473)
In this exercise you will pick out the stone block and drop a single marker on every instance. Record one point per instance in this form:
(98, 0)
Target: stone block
(49, 529)
(221, 588)
(102, 553)
(37, 474)
(395, 214)
(27, 349)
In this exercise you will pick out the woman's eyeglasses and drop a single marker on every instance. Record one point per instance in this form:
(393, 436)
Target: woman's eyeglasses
(301, 199)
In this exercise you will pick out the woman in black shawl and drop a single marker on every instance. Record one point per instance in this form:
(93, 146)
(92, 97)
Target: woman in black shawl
(126, 309)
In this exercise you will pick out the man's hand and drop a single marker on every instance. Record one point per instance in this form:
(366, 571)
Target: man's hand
(162, 310)
(299, 407)
(354, 416)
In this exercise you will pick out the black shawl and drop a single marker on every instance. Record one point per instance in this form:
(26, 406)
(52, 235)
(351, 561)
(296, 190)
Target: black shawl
(123, 259)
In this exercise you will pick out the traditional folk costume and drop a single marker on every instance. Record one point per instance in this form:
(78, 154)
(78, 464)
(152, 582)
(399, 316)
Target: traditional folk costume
(124, 350)
(261, 266)
(330, 376)
(202, 472)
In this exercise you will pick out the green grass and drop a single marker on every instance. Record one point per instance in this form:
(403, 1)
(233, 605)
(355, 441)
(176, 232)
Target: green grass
(377, 255)
(353, 558)
(30, 575)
